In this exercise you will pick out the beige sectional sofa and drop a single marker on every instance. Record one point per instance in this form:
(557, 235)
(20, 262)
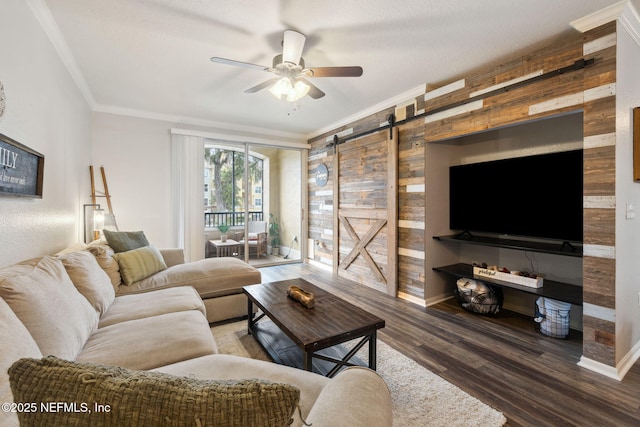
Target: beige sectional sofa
(68, 307)
(219, 281)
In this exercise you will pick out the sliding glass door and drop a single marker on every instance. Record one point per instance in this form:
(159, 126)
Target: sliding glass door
(253, 195)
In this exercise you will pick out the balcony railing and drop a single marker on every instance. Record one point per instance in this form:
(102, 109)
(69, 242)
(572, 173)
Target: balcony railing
(213, 219)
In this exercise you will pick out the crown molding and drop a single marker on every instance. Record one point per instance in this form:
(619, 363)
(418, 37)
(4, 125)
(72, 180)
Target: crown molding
(601, 17)
(48, 24)
(227, 137)
(630, 22)
(623, 12)
(391, 102)
(184, 120)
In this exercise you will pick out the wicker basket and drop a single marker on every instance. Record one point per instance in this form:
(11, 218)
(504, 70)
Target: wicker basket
(553, 317)
(488, 300)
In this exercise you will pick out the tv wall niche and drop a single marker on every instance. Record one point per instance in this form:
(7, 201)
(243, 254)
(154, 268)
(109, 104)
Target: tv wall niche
(545, 255)
(531, 196)
(517, 181)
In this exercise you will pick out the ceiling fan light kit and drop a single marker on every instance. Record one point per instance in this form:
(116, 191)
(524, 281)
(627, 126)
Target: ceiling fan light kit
(290, 69)
(289, 90)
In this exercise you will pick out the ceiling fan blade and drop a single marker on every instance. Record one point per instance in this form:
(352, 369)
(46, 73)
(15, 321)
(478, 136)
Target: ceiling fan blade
(238, 63)
(262, 85)
(334, 72)
(314, 92)
(292, 46)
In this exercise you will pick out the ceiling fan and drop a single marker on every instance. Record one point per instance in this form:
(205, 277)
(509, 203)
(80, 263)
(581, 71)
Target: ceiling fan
(291, 82)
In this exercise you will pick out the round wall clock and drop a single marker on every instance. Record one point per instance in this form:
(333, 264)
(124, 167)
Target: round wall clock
(3, 100)
(322, 175)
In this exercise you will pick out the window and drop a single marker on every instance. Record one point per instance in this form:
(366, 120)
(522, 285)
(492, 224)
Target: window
(225, 187)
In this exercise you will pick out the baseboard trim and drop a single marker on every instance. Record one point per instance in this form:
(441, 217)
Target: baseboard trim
(438, 299)
(600, 368)
(619, 371)
(415, 300)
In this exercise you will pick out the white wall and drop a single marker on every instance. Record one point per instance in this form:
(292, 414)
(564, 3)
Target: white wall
(549, 135)
(290, 202)
(627, 313)
(136, 155)
(46, 112)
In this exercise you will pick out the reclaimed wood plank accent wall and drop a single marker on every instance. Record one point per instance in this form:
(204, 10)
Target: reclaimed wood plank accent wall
(366, 199)
(591, 90)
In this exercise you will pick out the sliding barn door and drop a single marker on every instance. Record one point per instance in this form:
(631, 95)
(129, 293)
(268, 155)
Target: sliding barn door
(366, 211)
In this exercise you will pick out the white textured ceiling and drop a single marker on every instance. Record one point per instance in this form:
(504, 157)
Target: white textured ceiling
(151, 57)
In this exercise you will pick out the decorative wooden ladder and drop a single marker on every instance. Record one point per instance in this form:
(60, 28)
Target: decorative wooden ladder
(110, 218)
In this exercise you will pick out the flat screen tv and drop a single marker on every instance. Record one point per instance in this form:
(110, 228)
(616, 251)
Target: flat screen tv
(536, 196)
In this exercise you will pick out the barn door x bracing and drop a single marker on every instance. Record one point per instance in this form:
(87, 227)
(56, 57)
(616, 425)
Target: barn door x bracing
(366, 210)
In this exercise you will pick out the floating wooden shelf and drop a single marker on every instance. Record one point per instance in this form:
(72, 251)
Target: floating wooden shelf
(551, 289)
(573, 250)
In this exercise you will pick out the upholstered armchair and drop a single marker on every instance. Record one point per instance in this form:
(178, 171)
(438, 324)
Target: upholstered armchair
(257, 238)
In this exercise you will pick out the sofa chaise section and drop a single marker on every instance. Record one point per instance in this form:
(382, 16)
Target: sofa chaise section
(218, 281)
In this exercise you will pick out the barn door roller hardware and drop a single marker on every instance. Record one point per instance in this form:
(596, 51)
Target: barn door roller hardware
(577, 65)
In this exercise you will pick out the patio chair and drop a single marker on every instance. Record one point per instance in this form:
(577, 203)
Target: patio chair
(257, 238)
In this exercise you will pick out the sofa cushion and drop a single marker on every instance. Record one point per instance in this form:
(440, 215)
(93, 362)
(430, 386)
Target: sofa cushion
(138, 264)
(90, 279)
(353, 381)
(226, 366)
(104, 256)
(152, 303)
(151, 342)
(212, 277)
(147, 398)
(16, 344)
(58, 317)
(122, 241)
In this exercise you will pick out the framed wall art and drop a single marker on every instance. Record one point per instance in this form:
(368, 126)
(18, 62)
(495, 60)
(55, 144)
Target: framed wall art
(636, 144)
(21, 169)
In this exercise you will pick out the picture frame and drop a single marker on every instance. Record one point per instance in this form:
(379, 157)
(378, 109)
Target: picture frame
(21, 169)
(636, 144)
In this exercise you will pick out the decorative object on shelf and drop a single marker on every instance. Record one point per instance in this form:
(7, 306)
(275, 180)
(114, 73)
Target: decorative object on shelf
(307, 299)
(274, 234)
(322, 175)
(21, 169)
(3, 100)
(502, 273)
(223, 232)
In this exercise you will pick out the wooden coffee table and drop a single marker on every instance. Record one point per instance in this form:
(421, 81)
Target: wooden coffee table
(314, 334)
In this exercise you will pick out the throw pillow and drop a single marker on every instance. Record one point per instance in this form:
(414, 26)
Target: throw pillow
(90, 279)
(139, 263)
(43, 297)
(122, 241)
(104, 256)
(146, 398)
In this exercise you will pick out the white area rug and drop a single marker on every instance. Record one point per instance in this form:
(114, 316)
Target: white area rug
(420, 397)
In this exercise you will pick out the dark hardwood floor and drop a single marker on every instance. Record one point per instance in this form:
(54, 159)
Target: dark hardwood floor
(503, 361)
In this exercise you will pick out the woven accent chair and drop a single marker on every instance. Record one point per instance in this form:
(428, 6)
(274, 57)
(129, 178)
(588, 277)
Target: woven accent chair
(257, 238)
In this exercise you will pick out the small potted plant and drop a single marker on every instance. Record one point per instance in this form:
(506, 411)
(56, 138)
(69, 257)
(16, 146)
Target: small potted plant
(274, 234)
(223, 231)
